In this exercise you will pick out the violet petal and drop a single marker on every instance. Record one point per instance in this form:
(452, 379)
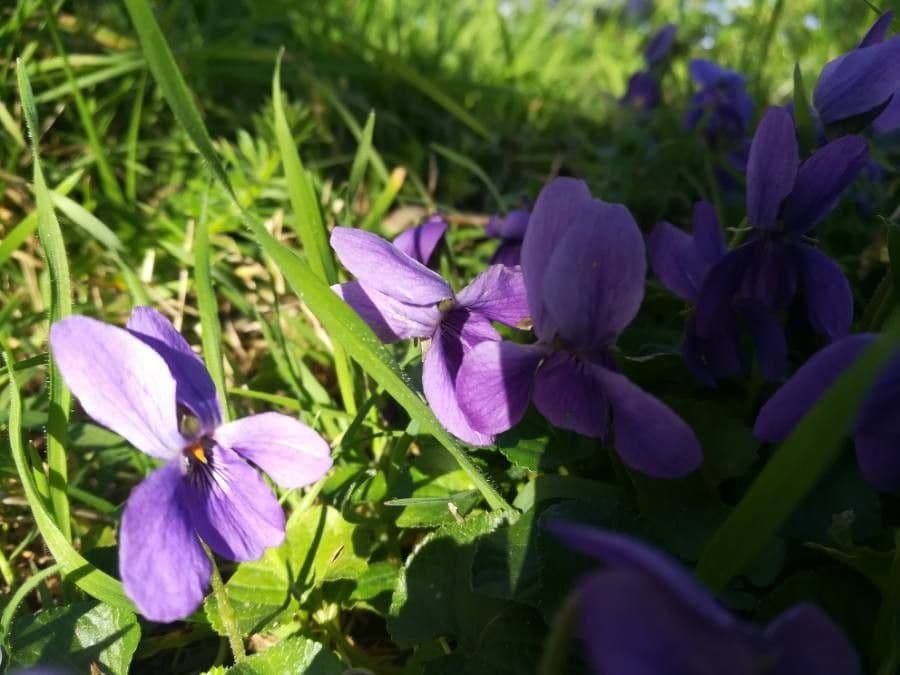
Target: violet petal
(420, 242)
(194, 387)
(231, 507)
(121, 382)
(390, 319)
(499, 294)
(771, 167)
(494, 384)
(594, 280)
(829, 298)
(379, 265)
(569, 395)
(796, 397)
(291, 453)
(164, 569)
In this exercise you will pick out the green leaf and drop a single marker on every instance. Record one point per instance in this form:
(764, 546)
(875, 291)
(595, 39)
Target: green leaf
(294, 656)
(729, 447)
(259, 592)
(341, 322)
(533, 445)
(77, 635)
(322, 546)
(795, 467)
(506, 563)
(434, 598)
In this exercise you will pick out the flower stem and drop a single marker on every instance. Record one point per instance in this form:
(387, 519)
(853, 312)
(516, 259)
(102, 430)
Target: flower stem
(559, 640)
(226, 611)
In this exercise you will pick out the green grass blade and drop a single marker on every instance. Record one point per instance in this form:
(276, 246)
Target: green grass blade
(107, 177)
(60, 306)
(87, 221)
(91, 580)
(361, 160)
(308, 224)
(341, 322)
(806, 127)
(384, 200)
(795, 467)
(174, 89)
(476, 170)
(211, 333)
(19, 234)
(131, 141)
(308, 221)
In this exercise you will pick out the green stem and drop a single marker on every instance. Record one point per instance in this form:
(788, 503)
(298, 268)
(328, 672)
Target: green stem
(226, 611)
(559, 639)
(886, 624)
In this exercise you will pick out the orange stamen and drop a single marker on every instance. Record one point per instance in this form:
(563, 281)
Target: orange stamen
(199, 455)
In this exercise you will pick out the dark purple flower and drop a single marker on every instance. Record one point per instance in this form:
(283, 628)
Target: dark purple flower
(643, 614)
(876, 429)
(583, 261)
(510, 230)
(401, 299)
(420, 242)
(722, 110)
(660, 44)
(643, 91)
(862, 80)
(681, 262)
(762, 278)
(147, 385)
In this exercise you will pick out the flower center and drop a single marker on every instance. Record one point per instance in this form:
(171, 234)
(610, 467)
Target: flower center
(446, 305)
(196, 451)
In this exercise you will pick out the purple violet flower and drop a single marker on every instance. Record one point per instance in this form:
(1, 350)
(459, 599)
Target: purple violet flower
(762, 278)
(643, 614)
(401, 299)
(147, 385)
(643, 91)
(510, 230)
(421, 241)
(863, 80)
(876, 430)
(583, 262)
(660, 44)
(681, 262)
(722, 110)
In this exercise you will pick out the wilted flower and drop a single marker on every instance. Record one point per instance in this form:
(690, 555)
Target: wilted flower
(681, 262)
(876, 429)
(762, 278)
(862, 81)
(421, 241)
(643, 614)
(510, 230)
(145, 384)
(401, 299)
(583, 261)
(722, 110)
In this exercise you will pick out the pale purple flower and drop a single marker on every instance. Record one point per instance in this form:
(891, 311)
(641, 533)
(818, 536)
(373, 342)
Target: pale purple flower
(400, 299)
(876, 430)
(421, 241)
(643, 614)
(864, 81)
(660, 44)
(510, 230)
(763, 278)
(583, 262)
(681, 263)
(147, 385)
